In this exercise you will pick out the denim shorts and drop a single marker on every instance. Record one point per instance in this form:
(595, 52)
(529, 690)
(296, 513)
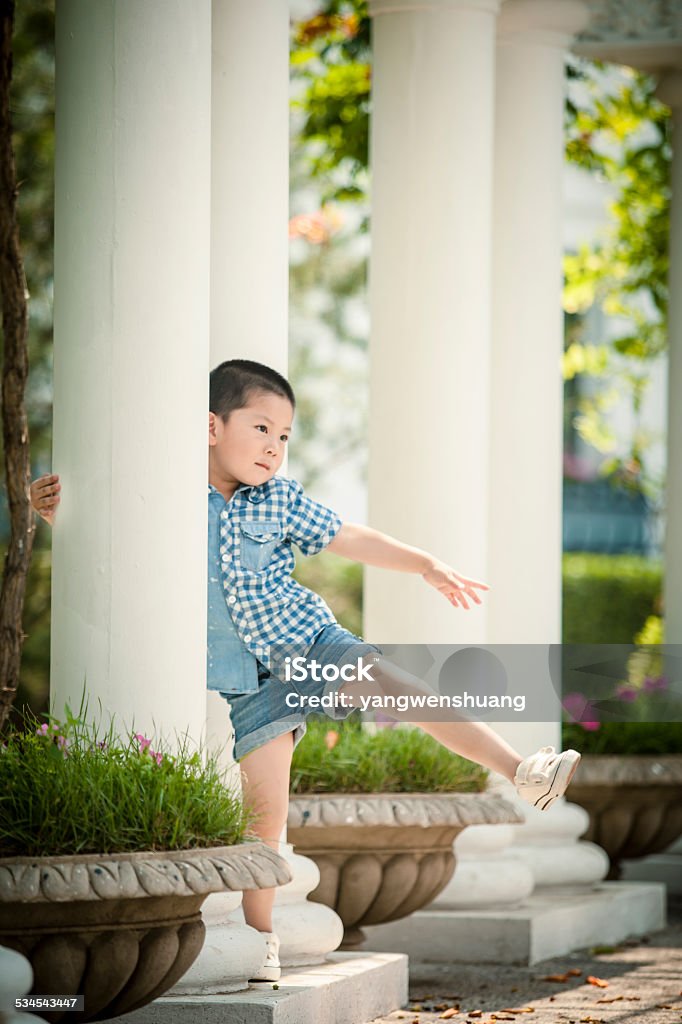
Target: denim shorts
(264, 714)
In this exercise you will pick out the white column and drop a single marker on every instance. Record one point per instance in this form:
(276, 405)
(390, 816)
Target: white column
(670, 91)
(250, 182)
(525, 537)
(525, 528)
(16, 979)
(131, 359)
(431, 162)
(249, 319)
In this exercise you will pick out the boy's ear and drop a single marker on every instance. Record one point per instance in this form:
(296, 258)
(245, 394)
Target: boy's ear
(212, 423)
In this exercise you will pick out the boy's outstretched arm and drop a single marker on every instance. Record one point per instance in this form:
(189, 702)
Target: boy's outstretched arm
(363, 544)
(45, 496)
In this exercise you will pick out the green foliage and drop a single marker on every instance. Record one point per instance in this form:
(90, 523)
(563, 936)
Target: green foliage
(331, 70)
(625, 738)
(606, 598)
(343, 757)
(339, 582)
(621, 134)
(66, 787)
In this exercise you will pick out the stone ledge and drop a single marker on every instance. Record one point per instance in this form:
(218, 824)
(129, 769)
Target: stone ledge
(349, 988)
(548, 924)
(324, 810)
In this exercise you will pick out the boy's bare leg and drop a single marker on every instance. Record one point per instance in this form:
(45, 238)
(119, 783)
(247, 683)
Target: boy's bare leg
(473, 740)
(265, 786)
(477, 742)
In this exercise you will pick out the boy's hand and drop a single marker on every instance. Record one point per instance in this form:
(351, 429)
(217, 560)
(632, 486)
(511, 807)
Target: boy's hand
(45, 496)
(453, 586)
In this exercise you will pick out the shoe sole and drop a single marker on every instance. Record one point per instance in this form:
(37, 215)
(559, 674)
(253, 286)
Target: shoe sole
(267, 976)
(563, 773)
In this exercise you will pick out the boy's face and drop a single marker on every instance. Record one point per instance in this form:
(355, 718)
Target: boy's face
(250, 447)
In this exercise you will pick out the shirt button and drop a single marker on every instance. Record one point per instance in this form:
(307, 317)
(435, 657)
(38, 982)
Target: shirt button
(226, 558)
(231, 599)
(223, 514)
(247, 638)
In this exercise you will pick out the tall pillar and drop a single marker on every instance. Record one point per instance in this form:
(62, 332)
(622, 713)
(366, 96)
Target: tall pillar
(130, 360)
(670, 91)
(431, 160)
(250, 182)
(249, 319)
(525, 534)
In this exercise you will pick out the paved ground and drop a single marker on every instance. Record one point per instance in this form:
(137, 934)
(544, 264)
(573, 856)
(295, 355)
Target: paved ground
(640, 982)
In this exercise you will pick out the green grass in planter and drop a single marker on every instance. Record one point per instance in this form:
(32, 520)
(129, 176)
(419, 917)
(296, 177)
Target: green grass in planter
(394, 760)
(71, 790)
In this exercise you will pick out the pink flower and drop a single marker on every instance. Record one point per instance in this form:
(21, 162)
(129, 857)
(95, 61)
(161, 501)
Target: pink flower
(155, 756)
(42, 730)
(581, 710)
(143, 741)
(628, 693)
(654, 683)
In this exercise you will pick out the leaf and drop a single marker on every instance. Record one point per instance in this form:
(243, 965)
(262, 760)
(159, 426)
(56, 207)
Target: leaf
(599, 982)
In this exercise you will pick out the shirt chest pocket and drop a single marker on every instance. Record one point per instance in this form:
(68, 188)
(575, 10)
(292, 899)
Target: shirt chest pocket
(259, 539)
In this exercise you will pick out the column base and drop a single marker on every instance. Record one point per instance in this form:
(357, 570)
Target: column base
(349, 988)
(549, 923)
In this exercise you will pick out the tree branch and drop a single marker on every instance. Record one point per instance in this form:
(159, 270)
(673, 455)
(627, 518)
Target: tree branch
(14, 374)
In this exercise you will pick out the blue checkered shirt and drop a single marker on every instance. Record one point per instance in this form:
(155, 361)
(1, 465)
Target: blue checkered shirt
(257, 530)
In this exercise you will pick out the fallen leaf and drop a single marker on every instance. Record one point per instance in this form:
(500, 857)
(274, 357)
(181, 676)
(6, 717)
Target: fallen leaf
(449, 1013)
(475, 1013)
(552, 998)
(665, 1006)
(555, 977)
(599, 982)
(522, 1009)
(574, 972)
(591, 1020)
(611, 999)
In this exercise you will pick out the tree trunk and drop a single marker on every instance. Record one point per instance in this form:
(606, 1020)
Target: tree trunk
(14, 374)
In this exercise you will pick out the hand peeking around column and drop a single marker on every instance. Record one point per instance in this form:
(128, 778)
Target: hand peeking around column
(44, 495)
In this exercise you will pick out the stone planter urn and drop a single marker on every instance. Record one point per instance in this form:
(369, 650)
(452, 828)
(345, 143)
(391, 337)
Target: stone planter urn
(383, 855)
(634, 803)
(121, 928)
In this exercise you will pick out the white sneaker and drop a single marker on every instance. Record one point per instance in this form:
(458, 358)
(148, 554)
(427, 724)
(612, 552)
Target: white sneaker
(271, 970)
(543, 777)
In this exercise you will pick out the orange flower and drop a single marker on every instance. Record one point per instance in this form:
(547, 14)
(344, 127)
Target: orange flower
(316, 227)
(331, 739)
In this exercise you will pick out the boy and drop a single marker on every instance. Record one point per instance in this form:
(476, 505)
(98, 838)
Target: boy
(258, 615)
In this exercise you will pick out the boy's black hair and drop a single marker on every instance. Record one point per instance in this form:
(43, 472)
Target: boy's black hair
(233, 382)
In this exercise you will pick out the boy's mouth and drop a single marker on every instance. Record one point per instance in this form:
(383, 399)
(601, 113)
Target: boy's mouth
(263, 465)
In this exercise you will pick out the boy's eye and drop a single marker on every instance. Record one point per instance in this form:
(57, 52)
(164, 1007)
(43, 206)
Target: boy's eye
(261, 426)
(284, 437)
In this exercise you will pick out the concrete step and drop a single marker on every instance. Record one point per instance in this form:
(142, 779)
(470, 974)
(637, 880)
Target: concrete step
(349, 988)
(551, 922)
